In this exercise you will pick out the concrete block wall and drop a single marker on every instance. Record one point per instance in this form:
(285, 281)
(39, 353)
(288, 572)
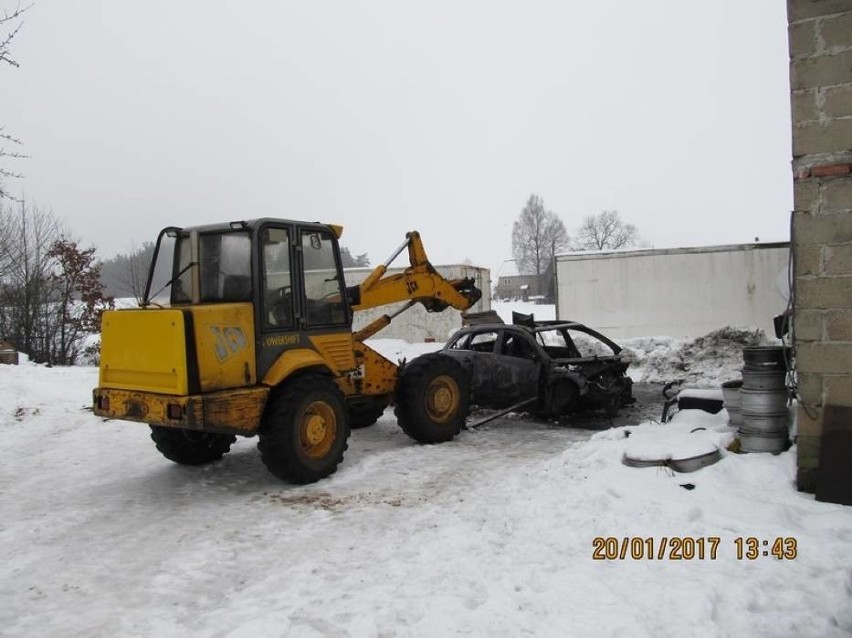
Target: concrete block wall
(820, 39)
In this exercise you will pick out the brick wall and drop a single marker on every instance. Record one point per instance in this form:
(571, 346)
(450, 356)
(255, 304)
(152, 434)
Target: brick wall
(820, 36)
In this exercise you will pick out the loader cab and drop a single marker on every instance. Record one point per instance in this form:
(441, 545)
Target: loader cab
(289, 272)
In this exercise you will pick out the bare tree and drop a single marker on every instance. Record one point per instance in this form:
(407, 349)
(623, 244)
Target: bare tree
(10, 24)
(605, 231)
(26, 289)
(51, 298)
(536, 236)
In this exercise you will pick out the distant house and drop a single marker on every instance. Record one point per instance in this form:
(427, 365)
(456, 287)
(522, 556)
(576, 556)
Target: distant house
(514, 286)
(8, 354)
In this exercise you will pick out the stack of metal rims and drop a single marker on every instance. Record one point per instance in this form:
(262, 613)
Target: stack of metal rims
(763, 400)
(732, 403)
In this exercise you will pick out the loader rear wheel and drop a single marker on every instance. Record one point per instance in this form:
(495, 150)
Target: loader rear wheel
(305, 430)
(432, 399)
(189, 447)
(365, 412)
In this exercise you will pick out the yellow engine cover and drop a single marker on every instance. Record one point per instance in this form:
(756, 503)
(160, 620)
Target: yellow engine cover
(144, 350)
(178, 352)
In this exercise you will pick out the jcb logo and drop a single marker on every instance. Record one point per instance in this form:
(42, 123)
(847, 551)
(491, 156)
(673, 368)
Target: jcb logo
(229, 340)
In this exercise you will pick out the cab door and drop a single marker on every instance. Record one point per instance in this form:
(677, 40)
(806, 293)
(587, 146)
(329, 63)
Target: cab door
(324, 314)
(277, 316)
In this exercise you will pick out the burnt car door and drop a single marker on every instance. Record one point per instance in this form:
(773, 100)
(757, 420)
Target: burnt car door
(515, 368)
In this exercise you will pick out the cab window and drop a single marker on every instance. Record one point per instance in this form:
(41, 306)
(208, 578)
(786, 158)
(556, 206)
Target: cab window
(225, 266)
(277, 281)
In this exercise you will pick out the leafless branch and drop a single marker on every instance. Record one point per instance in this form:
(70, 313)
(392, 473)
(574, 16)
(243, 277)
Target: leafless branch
(5, 43)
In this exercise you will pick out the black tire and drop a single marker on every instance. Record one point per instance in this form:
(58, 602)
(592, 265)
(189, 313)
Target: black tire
(305, 430)
(365, 411)
(432, 398)
(189, 447)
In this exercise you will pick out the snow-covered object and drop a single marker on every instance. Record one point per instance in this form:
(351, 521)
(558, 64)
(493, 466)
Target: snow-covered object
(690, 433)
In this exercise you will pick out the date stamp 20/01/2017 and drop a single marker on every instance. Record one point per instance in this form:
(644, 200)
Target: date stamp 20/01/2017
(691, 548)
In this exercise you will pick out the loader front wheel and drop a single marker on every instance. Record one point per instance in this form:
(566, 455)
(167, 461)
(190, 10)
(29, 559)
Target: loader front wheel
(305, 430)
(432, 399)
(189, 447)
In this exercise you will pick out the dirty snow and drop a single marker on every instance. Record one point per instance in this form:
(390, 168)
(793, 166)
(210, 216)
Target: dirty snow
(490, 535)
(709, 360)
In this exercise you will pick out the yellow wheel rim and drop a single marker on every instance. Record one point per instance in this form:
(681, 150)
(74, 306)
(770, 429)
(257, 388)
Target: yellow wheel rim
(442, 399)
(317, 429)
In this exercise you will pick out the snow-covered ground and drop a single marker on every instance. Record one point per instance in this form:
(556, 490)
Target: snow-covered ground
(493, 534)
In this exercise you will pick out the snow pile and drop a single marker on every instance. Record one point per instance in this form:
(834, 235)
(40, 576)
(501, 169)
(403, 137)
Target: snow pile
(706, 361)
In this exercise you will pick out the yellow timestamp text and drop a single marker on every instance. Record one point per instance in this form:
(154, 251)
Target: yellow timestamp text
(690, 548)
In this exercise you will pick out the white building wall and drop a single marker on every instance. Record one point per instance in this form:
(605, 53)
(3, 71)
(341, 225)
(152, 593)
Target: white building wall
(415, 324)
(684, 292)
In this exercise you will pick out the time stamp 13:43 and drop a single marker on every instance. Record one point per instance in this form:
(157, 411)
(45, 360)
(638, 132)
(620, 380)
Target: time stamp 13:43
(691, 548)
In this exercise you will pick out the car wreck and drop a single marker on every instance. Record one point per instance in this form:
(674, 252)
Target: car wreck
(555, 368)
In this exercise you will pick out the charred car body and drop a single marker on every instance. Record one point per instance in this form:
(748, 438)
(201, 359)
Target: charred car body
(566, 366)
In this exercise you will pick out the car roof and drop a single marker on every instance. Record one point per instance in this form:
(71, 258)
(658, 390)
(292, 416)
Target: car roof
(540, 326)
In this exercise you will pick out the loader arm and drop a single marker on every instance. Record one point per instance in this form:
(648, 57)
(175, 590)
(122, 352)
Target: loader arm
(418, 283)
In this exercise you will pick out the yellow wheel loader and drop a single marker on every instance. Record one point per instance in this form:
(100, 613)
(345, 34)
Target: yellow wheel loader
(246, 329)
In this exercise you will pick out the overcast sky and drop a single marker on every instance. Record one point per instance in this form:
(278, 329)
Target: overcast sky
(441, 116)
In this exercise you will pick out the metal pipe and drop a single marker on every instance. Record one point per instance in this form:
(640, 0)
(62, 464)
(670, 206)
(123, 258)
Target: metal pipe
(503, 412)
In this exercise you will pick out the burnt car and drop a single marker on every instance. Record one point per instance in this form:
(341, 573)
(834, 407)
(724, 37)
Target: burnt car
(565, 365)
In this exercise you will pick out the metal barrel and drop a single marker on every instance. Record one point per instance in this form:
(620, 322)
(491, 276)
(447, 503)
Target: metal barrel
(763, 400)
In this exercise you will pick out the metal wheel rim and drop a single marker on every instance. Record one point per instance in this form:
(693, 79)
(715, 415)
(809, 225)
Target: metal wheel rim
(442, 398)
(317, 429)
